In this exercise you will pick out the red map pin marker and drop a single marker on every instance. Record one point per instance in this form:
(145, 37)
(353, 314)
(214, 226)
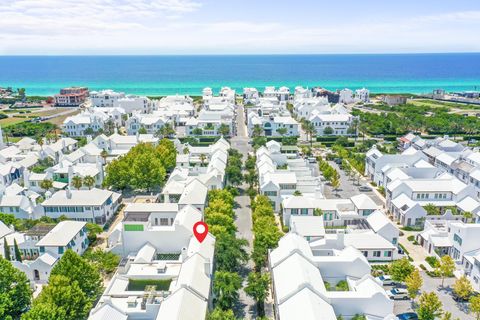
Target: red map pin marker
(200, 231)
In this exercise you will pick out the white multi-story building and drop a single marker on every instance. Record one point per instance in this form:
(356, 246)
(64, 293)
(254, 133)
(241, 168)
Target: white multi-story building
(174, 268)
(150, 122)
(85, 123)
(305, 291)
(346, 96)
(95, 205)
(362, 95)
(43, 247)
(251, 96)
(282, 93)
(294, 175)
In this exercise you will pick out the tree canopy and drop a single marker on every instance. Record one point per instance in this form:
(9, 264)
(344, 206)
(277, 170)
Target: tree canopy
(15, 293)
(143, 167)
(76, 268)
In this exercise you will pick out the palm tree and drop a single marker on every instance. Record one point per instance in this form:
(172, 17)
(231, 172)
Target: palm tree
(224, 130)
(104, 155)
(257, 131)
(40, 141)
(203, 158)
(186, 150)
(89, 182)
(77, 182)
(46, 184)
(165, 131)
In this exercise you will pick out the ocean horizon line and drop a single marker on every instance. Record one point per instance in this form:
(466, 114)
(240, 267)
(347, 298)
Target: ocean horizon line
(240, 54)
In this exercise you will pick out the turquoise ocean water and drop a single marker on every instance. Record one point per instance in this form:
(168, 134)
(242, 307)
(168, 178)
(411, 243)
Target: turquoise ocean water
(161, 75)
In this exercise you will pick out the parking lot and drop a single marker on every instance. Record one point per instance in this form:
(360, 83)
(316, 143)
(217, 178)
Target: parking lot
(458, 310)
(349, 188)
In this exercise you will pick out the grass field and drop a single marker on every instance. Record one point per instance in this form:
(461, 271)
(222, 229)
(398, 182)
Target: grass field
(59, 120)
(440, 104)
(11, 121)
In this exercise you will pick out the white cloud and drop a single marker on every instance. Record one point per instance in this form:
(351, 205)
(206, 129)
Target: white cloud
(178, 26)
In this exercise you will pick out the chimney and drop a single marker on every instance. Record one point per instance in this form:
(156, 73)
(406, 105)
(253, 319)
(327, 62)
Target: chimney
(184, 253)
(89, 138)
(208, 267)
(68, 193)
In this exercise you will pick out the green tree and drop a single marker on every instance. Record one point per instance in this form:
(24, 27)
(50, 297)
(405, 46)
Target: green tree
(18, 254)
(224, 130)
(475, 306)
(46, 184)
(76, 268)
(463, 288)
(401, 269)
(105, 262)
(142, 130)
(89, 182)
(257, 287)
(282, 131)
(104, 155)
(42, 311)
(226, 286)
(328, 131)
(219, 314)
(414, 282)
(335, 182)
(230, 252)
(197, 131)
(218, 218)
(167, 153)
(66, 295)
(15, 293)
(251, 178)
(202, 157)
(143, 167)
(165, 131)
(446, 267)
(429, 306)
(467, 216)
(267, 236)
(447, 316)
(6, 250)
(77, 182)
(318, 212)
(257, 131)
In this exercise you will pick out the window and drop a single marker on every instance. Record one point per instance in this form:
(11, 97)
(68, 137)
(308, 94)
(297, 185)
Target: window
(60, 250)
(376, 254)
(304, 211)
(294, 211)
(394, 240)
(164, 221)
(270, 193)
(42, 249)
(365, 253)
(387, 254)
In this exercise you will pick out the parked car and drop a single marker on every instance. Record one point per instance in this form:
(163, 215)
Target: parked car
(398, 294)
(312, 160)
(364, 188)
(407, 316)
(385, 280)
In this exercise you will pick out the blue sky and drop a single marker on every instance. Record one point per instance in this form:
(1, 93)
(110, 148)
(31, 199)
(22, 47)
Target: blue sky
(238, 26)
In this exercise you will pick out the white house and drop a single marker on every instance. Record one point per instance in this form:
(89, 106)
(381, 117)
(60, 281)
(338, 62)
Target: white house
(95, 205)
(305, 293)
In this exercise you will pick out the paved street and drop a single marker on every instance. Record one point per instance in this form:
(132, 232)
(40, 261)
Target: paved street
(243, 220)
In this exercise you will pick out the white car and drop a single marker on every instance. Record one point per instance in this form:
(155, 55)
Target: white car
(385, 280)
(398, 294)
